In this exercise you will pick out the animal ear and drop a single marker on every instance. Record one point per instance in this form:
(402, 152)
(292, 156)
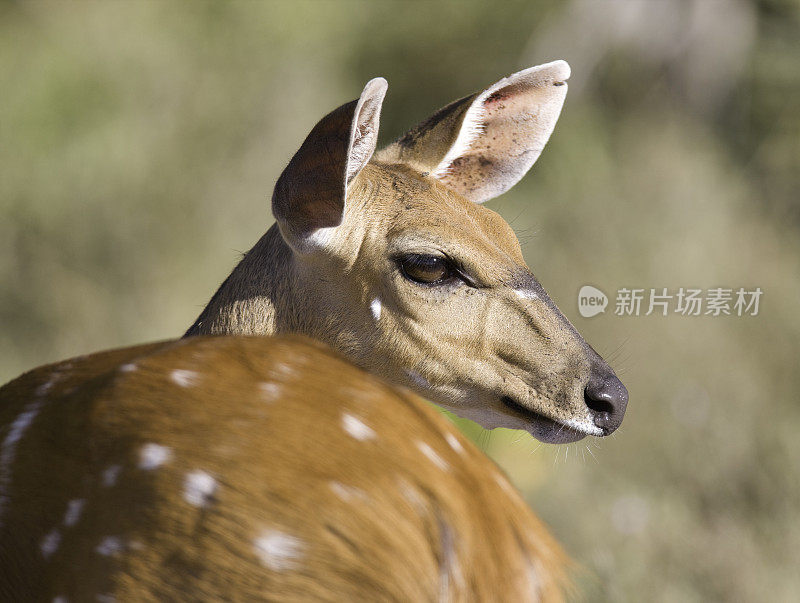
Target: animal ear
(310, 193)
(483, 144)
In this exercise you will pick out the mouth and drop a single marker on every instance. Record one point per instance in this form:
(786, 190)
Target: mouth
(540, 427)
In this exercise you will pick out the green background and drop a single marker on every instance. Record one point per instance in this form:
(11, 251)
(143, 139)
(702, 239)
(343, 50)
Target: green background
(139, 143)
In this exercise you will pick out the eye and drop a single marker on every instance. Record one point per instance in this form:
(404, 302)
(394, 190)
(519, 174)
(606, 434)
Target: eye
(426, 269)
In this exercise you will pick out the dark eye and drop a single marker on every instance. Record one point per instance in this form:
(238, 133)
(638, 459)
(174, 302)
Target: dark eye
(426, 269)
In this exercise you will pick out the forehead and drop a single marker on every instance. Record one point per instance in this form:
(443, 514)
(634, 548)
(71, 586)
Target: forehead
(418, 205)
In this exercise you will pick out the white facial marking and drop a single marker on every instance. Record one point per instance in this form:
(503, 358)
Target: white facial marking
(432, 455)
(8, 448)
(128, 368)
(319, 238)
(185, 378)
(74, 510)
(199, 488)
(152, 456)
(277, 550)
(356, 428)
(454, 443)
(375, 308)
(110, 545)
(270, 390)
(526, 294)
(586, 426)
(346, 493)
(50, 543)
(110, 475)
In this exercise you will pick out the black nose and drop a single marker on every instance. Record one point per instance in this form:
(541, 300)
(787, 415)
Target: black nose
(607, 398)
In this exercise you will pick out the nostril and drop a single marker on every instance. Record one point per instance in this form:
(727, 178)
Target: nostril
(598, 403)
(607, 399)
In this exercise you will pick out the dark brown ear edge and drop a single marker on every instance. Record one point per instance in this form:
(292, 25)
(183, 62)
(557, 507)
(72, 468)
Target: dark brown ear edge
(310, 192)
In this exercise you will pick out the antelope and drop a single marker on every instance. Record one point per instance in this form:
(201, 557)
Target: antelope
(230, 465)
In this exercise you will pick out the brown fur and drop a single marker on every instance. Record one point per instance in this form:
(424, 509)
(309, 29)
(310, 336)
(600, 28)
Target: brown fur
(403, 528)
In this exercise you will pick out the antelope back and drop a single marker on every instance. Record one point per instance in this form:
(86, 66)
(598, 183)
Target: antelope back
(232, 468)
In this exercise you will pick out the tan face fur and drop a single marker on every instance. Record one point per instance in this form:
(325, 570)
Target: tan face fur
(484, 340)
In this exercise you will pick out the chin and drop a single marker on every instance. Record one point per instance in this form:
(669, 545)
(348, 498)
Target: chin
(550, 432)
(512, 415)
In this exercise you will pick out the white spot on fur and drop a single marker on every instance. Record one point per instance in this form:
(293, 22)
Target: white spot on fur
(375, 308)
(277, 550)
(199, 488)
(347, 493)
(432, 455)
(152, 456)
(110, 545)
(357, 428)
(283, 370)
(270, 390)
(8, 449)
(74, 510)
(185, 378)
(110, 475)
(102, 598)
(128, 368)
(60, 599)
(454, 443)
(50, 543)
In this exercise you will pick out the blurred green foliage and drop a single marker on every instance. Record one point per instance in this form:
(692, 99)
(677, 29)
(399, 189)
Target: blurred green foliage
(139, 143)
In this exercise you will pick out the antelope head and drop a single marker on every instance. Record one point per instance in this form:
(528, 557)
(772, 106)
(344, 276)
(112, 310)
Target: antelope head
(391, 258)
